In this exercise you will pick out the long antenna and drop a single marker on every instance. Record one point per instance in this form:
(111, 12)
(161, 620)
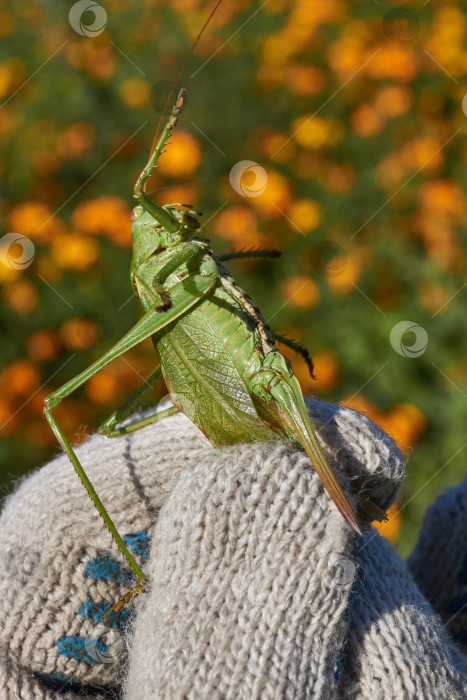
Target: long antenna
(154, 142)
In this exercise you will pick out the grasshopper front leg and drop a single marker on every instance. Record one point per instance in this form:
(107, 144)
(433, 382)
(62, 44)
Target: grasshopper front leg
(183, 298)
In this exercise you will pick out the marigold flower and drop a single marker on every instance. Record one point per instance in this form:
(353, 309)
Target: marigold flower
(303, 79)
(326, 370)
(238, 224)
(393, 100)
(443, 197)
(103, 386)
(343, 274)
(301, 291)
(73, 251)
(394, 61)
(276, 195)
(35, 219)
(391, 529)
(21, 295)
(74, 140)
(182, 155)
(305, 214)
(136, 92)
(43, 345)
(314, 131)
(19, 378)
(78, 333)
(366, 120)
(108, 214)
(405, 423)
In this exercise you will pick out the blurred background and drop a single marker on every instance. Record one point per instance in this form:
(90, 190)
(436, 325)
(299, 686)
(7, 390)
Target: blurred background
(353, 115)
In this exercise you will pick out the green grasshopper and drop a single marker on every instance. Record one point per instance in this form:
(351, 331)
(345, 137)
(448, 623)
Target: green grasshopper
(216, 353)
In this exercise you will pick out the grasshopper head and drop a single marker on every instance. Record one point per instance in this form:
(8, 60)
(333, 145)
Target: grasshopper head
(148, 232)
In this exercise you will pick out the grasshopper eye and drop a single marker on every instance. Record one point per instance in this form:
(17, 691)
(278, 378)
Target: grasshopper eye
(137, 211)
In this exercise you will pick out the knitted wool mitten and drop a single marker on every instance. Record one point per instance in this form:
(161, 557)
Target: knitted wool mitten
(60, 569)
(251, 571)
(396, 647)
(439, 561)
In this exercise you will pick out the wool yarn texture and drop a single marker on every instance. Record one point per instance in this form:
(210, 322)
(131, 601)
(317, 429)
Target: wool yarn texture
(438, 562)
(254, 579)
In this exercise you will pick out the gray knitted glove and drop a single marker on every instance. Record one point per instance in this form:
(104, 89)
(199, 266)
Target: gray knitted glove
(439, 560)
(250, 570)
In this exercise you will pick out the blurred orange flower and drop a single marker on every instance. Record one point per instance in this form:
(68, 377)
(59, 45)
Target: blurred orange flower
(273, 143)
(340, 178)
(393, 100)
(366, 120)
(304, 79)
(314, 132)
(326, 370)
(238, 224)
(21, 295)
(405, 423)
(19, 378)
(108, 214)
(8, 420)
(73, 251)
(423, 152)
(7, 23)
(76, 139)
(78, 333)
(391, 528)
(184, 194)
(182, 156)
(443, 197)
(35, 219)
(275, 198)
(342, 274)
(301, 291)
(394, 61)
(305, 214)
(103, 386)
(433, 296)
(43, 345)
(136, 92)
(12, 74)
